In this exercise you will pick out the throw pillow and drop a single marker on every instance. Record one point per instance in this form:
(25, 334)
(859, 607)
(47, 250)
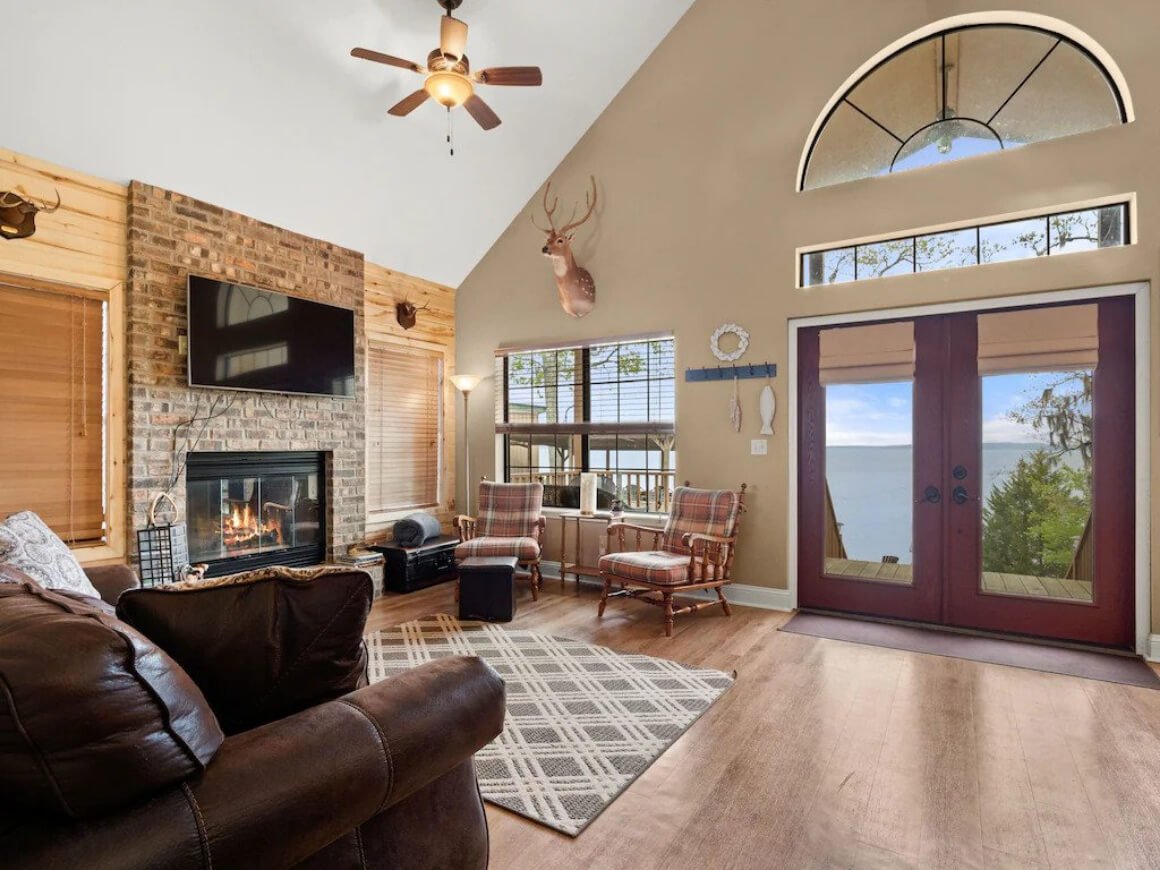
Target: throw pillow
(93, 716)
(28, 545)
(264, 644)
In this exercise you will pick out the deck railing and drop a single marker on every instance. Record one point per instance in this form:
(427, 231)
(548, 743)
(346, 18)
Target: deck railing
(835, 548)
(1083, 563)
(643, 491)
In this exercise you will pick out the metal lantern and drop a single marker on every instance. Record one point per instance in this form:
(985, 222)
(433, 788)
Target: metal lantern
(162, 550)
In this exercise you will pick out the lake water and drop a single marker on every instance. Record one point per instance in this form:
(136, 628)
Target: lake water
(873, 494)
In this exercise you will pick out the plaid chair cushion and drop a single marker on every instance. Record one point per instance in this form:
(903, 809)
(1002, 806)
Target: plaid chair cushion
(509, 510)
(650, 566)
(700, 511)
(523, 548)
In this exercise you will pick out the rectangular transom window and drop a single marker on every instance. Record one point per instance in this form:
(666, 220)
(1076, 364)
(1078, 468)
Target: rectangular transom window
(605, 407)
(1040, 236)
(52, 378)
(404, 427)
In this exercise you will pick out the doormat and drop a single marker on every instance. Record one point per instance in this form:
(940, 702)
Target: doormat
(582, 722)
(1092, 665)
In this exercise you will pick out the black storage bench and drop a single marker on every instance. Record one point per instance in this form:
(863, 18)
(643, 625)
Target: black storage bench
(411, 568)
(487, 588)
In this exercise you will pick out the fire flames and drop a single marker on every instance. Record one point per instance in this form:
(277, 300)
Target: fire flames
(244, 528)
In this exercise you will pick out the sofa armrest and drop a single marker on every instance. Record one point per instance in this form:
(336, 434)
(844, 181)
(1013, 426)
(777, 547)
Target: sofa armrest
(275, 795)
(112, 580)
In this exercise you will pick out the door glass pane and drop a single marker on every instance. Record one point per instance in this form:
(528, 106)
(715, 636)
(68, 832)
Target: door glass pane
(1037, 369)
(869, 481)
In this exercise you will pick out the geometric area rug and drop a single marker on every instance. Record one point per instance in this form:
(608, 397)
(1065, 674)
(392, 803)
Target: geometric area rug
(582, 721)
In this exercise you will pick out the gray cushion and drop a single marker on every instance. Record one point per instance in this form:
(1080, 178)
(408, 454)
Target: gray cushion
(28, 545)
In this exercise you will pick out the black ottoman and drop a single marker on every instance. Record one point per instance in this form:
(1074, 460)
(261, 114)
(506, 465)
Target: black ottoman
(487, 588)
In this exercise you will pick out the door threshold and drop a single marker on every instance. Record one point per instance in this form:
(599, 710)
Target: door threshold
(1033, 640)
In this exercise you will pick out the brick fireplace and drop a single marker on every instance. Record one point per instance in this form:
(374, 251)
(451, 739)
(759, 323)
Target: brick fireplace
(170, 237)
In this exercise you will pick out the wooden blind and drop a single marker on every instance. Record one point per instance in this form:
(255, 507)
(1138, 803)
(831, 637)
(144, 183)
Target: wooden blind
(52, 385)
(404, 427)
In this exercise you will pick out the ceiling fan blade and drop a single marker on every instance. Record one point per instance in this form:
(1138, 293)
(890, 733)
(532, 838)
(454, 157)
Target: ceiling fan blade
(379, 57)
(482, 112)
(409, 104)
(526, 76)
(452, 37)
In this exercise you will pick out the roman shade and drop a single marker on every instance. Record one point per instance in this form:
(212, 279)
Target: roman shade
(404, 427)
(52, 378)
(1065, 338)
(874, 353)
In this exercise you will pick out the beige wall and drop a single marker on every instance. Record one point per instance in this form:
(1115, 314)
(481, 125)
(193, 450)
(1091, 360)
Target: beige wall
(699, 221)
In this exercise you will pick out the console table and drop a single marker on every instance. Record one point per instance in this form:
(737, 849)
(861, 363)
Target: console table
(575, 567)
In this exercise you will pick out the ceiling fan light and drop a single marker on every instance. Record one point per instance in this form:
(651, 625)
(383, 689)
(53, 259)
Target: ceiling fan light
(449, 89)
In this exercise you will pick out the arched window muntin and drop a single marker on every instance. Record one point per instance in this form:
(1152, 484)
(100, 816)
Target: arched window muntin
(940, 32)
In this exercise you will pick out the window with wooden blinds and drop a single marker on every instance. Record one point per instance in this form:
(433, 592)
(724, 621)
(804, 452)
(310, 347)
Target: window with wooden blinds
(404, 427)
(52, 380)
(606, 407)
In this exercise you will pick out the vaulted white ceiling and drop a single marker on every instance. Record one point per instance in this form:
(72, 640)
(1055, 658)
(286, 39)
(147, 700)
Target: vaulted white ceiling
(257, 106)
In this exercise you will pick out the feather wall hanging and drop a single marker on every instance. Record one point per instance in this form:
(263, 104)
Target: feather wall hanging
(735, 406)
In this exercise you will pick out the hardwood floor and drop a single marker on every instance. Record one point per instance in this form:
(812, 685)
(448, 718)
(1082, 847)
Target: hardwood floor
(827, 754)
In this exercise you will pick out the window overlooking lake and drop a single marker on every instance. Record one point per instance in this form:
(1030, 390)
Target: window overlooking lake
(1040, 236)
(606, 407)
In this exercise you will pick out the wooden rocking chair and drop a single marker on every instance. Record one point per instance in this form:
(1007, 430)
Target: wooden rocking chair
(510, 523)
(693, 551)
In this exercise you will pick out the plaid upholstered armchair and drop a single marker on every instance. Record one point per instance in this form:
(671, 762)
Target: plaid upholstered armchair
(510, 523)
(693, 551)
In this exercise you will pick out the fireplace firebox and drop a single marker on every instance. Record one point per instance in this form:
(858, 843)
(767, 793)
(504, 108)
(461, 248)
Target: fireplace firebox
(249, 510)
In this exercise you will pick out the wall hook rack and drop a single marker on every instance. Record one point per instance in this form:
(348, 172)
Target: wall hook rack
(728, 373)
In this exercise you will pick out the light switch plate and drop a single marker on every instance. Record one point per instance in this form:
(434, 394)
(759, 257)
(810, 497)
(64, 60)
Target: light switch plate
(758, 447)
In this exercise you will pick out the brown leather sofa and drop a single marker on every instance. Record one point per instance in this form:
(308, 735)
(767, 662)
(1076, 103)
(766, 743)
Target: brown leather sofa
(380, 777)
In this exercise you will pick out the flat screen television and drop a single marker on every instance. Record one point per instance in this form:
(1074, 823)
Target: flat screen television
(242, 338)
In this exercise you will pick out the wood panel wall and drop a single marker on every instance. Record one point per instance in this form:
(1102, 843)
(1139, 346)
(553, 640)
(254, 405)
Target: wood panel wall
(434, 331)
(83, 244)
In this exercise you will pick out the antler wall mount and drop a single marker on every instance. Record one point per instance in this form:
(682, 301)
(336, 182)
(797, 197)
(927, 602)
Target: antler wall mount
(18, 213)
(574, 283)
(407, 313)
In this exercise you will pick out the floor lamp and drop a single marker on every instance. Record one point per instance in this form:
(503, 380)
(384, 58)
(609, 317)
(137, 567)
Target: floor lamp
(465, 384)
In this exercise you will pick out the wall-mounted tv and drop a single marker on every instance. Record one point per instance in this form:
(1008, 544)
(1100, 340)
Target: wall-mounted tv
(242, 338)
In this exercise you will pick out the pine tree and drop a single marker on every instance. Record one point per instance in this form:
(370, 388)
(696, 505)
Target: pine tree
(1032, 520)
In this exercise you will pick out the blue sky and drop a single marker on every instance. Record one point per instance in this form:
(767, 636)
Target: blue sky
(882, 414)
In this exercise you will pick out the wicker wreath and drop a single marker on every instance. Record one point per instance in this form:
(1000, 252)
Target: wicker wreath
(729, 329)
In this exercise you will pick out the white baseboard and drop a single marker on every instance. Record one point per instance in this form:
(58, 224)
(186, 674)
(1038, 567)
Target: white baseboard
(1152, 654)
(738, 593)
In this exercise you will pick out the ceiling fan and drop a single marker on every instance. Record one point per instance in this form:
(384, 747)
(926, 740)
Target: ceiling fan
(450, 80)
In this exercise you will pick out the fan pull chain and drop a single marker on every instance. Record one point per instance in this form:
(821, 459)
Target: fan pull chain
(450, 140)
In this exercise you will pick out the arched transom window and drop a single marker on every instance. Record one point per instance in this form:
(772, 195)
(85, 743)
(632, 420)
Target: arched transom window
(958, 93)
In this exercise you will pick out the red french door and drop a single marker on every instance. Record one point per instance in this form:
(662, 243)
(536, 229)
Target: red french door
(973, 470)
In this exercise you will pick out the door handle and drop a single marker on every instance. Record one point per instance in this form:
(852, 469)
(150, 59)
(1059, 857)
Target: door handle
(932, 494)
(959, 494)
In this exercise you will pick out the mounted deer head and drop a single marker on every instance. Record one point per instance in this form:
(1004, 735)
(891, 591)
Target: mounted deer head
(407, 314)
(574, 283)
(18, 214)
